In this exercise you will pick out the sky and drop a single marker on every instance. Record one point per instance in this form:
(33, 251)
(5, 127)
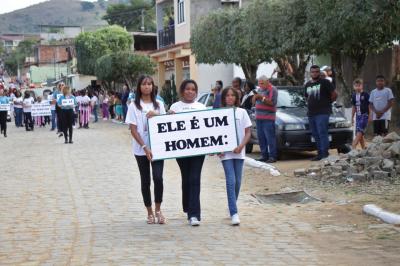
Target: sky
(11, 5)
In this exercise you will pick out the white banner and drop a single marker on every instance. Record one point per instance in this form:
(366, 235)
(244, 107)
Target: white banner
(67, 102)
(5, 107)
(192, 133)
(41, 109)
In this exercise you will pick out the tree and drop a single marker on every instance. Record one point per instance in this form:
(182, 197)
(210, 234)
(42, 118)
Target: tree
(92, 45)
(224, 37)
(133, 16)
(17, 57)
(87, 6)
(122, 67)
(360, 28)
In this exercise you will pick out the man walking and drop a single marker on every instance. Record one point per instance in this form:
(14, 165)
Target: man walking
(381, 102)
(265, 101)
(320, 94)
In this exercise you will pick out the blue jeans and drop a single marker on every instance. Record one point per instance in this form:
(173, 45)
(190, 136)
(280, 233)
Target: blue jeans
(53, 119)
(233, 169)
(267, 138)
(319, 125)
(96, 118)
(18, 116)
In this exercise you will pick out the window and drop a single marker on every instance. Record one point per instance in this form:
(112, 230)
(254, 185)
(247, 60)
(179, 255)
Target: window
(181, 11)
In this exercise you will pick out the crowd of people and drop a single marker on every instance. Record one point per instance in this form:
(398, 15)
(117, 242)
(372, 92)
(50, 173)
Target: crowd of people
(135, 108)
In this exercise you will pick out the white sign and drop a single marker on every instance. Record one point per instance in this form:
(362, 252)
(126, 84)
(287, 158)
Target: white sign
(41, 109)
(192, 133)
(67, 102)
(5, 107)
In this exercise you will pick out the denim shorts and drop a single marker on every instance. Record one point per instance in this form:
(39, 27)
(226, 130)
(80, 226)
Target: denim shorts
(361, 123)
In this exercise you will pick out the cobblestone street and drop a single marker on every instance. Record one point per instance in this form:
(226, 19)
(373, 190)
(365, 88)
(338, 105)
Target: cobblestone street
(81, 204)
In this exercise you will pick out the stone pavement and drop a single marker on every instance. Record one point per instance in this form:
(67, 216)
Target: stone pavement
(81, 204)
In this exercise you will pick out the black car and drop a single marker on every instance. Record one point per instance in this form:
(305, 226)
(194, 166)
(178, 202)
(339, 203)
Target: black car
(292, 128)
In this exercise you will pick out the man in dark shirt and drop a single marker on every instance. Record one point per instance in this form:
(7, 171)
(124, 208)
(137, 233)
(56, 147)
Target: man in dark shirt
(319, 94)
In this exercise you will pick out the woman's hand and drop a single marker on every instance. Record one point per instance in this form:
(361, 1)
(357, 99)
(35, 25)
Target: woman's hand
(221, 155)
(170, 112)
(149, 154)
(238, 149)
(150, 114)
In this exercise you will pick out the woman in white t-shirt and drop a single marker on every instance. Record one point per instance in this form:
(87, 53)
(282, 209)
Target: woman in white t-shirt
(18, 102)
(27, 106)
(143, 108)
(233, 161)
(190, 166)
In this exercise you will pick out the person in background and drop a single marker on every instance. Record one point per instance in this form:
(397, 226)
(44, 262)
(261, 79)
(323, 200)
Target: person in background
(105, 107)
(94, 101)
(111, 97)
(124, 101)
(237, 85)
(217, 96)
(118, 107)
(143, 108)
(57, 92)
(233, 161)
(319, 94)
(39, 120)
(3, 114)
(247, 100)
(381, 102)
(190, 166)
(360, 101)
(18, 101)
(84, 110)
(27, 106)
(265, 102)
(67, 103)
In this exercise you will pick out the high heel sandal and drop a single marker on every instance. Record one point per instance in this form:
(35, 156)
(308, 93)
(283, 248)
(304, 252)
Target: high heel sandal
(160, 218)
(150, 219)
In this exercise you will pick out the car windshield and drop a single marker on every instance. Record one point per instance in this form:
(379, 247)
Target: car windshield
(291, 98)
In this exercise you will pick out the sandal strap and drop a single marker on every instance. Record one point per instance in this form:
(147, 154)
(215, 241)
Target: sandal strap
(160, 217)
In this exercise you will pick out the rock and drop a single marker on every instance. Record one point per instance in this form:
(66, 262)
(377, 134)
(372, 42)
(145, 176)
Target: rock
(332, 159)
(387, 165)
(380, 174)
(336, 175)
(391, 137)
(314, 169)
(359, 177)
(397, 167)
(361, 161)
(353, 154)
(336, 168)
(387, 154)
(377, 139)
(395, 148)
(300, 172)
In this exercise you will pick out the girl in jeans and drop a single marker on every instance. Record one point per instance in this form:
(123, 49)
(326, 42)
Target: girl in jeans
(233, 161)
(144, 107)
(190, 166)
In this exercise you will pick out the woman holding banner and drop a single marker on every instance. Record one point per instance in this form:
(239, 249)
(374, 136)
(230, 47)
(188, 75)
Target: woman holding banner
(27, 107)
(67, 103)
(146, 106)
(3, 113)
(190, 166)
(233, 161)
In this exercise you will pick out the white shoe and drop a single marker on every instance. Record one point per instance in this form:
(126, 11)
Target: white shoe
(235, 219)
(194, 221)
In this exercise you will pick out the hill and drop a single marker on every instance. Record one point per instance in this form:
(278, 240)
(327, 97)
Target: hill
(54, 12)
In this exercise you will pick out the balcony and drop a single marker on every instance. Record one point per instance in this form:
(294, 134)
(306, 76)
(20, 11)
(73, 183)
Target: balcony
(166, 37)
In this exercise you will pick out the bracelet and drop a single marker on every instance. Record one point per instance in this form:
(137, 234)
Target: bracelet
(144, 146)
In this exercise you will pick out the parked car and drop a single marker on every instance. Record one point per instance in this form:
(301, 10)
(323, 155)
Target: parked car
(292, 128)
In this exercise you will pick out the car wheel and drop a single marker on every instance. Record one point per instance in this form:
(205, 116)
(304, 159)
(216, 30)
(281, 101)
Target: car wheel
(249, 147)
(346, 148)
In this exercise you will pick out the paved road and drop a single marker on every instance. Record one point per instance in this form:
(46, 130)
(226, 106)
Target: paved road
(80, 204)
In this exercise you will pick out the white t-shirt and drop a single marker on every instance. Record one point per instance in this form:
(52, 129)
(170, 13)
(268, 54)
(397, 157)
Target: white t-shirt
(78, 99)
(181, 107)
(18, 102)
(94, 100)
(242, 122)
(28, 104)
(84, 99)
(380, 98)
(138, 117)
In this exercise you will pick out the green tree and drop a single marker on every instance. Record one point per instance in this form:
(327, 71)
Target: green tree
(121, 67)
(352, 29)
(17, 57)
(224, 36)
(90, 46)
(133, 15)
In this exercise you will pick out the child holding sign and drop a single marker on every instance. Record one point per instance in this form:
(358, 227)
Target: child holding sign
(144, 107)
(233, 161)
(67, 103)
(190, 166)
(4, 100)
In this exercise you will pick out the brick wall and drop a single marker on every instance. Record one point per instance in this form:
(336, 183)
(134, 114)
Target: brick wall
(50, 53)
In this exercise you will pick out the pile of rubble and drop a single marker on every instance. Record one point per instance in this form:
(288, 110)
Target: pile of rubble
(381, 160)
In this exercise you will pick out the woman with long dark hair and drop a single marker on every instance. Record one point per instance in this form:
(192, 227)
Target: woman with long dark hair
(67, 103)
(190, 166)
(143, 108)
(27, 107)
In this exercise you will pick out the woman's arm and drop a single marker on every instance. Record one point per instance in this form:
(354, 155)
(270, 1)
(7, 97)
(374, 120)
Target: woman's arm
(139, 140)
(245, 140)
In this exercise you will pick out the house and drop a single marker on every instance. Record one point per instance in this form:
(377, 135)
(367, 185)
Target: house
(50, 33)
(175, 21)
(10, 41)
